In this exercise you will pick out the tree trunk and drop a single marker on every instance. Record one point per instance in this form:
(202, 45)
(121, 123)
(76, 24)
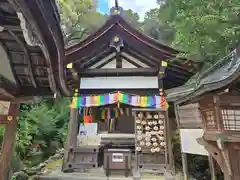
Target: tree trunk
(8, 145)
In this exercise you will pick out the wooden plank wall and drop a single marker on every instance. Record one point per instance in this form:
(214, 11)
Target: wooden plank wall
(189, 116)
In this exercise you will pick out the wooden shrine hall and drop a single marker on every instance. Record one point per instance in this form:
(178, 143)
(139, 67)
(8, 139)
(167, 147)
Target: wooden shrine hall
(119, 76)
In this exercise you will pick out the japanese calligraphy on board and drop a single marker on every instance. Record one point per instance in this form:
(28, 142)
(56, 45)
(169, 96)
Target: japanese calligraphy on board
(150, 132)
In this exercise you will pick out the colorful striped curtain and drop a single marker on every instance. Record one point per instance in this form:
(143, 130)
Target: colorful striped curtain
(157, 102)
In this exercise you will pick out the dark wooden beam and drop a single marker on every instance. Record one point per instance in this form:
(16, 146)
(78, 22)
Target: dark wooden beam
(141, 57)
(5, 95)
(94, 59)
(37, 77)
(26, 56)
(91, 54)
(148, 91)
(118, 60)
(179, 69)
(31, 91)
(118, 72)
(26, 65)
(85, 50)
(178, 75)
(5, 36)
(160, 84)
(169, 84)
(9, 87)
(172, 68)
(15, 28)
(4, 46)
(8, 20)
(173, 78)
(133, 42)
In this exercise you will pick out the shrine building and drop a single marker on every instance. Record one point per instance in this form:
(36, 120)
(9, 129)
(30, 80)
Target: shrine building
(119, 117)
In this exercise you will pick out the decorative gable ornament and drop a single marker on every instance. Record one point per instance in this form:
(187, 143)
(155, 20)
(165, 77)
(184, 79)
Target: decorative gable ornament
(116, 11)
(116, 43)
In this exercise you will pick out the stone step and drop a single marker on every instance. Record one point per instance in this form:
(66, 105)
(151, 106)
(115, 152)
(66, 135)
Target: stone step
(72, 177)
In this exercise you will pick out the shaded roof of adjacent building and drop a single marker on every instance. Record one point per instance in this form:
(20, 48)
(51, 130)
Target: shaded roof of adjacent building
(219, 76)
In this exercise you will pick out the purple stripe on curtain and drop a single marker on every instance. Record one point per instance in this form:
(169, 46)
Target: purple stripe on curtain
(130, 101)
(153, 101)
(84, 101)
(106, 99)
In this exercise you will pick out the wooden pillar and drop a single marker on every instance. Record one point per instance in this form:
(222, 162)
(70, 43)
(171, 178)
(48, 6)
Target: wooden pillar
(8, 143)
(212, 167)
(72, 129)
(185, 166)
(71, 142)
(217, 154)
(170, 145)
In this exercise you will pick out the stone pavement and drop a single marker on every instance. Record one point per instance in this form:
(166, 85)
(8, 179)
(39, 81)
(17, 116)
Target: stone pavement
(53, 172)
(98, 176)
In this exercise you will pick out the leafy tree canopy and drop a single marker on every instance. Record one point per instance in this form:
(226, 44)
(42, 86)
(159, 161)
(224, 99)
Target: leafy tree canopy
(156, 28)
(206, 30)
(79, 18)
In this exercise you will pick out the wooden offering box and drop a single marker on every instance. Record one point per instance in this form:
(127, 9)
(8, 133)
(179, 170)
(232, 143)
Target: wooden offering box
(117, 159)
(85, 157)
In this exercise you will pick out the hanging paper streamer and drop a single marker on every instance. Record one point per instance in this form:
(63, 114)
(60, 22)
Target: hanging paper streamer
(116, 113)
(107, 113)
(111, 125)
(81, 115)
(120, 97)
(87, 116)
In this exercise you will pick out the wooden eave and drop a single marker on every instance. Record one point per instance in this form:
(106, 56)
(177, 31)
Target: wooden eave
(117, 20)
(38, 70)
(213, 81)
(117, 25)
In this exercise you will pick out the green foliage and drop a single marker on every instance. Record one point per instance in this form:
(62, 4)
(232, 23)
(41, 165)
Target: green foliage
(206, 30)
(42, 130)
(1, 134)
(154, 27)
(79, 19)
(132, 18)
